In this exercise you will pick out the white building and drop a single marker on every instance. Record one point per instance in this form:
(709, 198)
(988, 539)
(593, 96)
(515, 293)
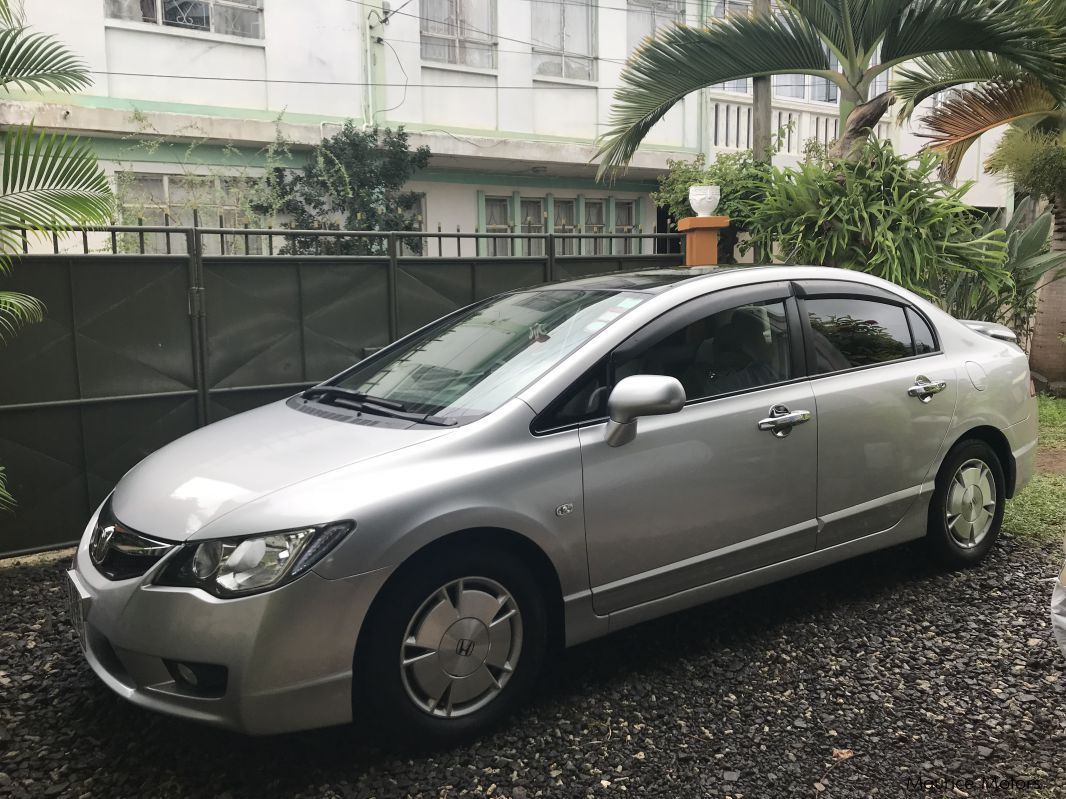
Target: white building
(510, 95)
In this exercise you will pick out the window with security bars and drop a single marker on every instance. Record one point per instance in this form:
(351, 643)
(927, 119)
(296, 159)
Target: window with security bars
(566, 224)
(498, 220)
(172, 200)
(459, 32)
(242, 18)
(625, 223)
(533, 221)
(595, 223)
(645, 17)
(564, 38)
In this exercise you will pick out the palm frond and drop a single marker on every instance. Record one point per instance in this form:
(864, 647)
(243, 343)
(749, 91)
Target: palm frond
(825, 16)
(50, 182)
(872, 18)
(973, 112)
(681, 60)
(17, 310)
(1011, 29)
(931, 74)
(8, 18)
(39, 62)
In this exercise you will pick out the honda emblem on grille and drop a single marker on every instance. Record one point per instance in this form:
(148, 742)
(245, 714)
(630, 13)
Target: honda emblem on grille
(101, 543)
(464, 647)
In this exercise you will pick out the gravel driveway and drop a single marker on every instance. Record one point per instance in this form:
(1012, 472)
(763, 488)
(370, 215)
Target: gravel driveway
(862, 679)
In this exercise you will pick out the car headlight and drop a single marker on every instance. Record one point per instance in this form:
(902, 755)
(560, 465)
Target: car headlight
(230, 567)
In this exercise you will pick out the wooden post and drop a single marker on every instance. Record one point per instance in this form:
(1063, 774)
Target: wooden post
(701, 238)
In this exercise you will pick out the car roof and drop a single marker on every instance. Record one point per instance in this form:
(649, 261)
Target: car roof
(662, 279)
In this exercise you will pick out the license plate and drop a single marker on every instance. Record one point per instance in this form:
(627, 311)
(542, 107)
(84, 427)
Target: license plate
(77, 606)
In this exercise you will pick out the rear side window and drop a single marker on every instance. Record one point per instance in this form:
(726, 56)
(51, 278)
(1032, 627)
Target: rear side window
(849, 332)
(924, 341)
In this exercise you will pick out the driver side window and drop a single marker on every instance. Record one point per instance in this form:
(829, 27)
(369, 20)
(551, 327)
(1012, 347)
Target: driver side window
(736, 349)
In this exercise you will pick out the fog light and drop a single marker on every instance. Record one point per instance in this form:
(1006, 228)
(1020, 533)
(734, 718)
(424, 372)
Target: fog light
(202, 679)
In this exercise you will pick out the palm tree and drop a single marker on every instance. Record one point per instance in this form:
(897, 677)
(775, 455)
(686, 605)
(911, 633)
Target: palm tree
(48, 182)
(989, 93)
(799, 40)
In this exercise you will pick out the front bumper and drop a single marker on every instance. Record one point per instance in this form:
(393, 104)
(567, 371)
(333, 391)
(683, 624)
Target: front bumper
(288, 652)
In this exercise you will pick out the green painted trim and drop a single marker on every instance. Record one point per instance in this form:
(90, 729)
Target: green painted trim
(184, 153)
(638, 220)
(482, 223)
(579, 222)
(267, 115)
(549, 210)
(571, 183)
(610, 224)
(516, 220)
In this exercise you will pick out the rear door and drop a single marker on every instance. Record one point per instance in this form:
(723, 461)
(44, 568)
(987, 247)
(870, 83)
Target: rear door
(885, 397)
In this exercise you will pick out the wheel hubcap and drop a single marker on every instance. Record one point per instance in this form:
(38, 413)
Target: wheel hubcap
(971, 504)
(461, 647)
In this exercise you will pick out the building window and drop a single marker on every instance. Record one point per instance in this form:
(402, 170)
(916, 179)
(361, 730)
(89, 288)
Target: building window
(725, 8)
(232, 17)
(645, 17)
(625, 222)
(498, 220)
(794, 86)
(564, 39)
(175, 199)
(824, 90)
(533, 222)
(566, 224)
(459, 32)
(595, 224)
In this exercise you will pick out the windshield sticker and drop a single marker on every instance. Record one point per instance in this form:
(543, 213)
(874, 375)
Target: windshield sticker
(630, 302)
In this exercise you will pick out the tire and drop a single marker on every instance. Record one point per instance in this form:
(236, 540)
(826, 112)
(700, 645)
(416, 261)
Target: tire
(421, 603)
(964, 521)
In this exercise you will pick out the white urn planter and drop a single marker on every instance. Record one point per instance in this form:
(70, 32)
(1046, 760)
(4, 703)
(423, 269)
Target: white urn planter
(704, 199)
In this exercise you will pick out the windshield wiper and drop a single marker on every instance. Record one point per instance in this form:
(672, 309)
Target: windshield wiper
(330, 392)
(366, 403)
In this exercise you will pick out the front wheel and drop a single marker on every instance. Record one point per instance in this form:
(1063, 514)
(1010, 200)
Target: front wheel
(966, 510)
(452, 645)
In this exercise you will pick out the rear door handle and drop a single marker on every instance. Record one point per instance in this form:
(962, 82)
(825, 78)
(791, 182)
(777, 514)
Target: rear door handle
(781, 420)
(924, 388)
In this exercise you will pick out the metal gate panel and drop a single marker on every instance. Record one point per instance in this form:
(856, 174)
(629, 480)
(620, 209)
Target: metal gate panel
(500, 276)
(345, 314)
(38, 365)
(132, 326)
(253, 321)
(43, 453)
(427, 291)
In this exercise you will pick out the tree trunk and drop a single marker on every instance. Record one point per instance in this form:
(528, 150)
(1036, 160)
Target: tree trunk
(1048, 351)
(860, 122)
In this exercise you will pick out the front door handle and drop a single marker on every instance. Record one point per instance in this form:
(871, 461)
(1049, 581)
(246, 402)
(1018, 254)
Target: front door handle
(924, 388)
(781, 420)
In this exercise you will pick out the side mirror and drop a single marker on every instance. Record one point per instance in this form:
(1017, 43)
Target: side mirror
(636, 396)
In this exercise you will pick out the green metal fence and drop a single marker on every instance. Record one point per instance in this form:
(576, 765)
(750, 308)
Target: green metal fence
(139, 348)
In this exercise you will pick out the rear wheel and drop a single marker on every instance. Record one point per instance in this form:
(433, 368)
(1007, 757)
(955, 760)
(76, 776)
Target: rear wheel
(966, 510)
(453, 644)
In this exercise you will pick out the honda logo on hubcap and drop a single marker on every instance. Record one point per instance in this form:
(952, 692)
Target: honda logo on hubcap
(464, 647)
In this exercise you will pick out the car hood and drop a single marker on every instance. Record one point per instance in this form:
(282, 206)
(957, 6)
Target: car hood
(190, 483)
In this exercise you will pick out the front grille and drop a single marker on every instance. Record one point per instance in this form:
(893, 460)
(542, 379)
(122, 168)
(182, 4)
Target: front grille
(120, 553)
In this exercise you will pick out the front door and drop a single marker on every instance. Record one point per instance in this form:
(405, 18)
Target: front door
(705, 493)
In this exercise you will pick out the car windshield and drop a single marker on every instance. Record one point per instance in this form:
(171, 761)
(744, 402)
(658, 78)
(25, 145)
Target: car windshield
(472, 364)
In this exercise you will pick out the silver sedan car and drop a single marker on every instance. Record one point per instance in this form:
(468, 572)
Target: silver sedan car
(404, 544)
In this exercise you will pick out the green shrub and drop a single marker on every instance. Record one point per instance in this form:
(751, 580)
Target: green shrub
(884, 214)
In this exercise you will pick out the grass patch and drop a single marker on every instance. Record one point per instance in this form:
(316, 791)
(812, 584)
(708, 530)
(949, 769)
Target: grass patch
(1052, 422)
(1039, 512)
